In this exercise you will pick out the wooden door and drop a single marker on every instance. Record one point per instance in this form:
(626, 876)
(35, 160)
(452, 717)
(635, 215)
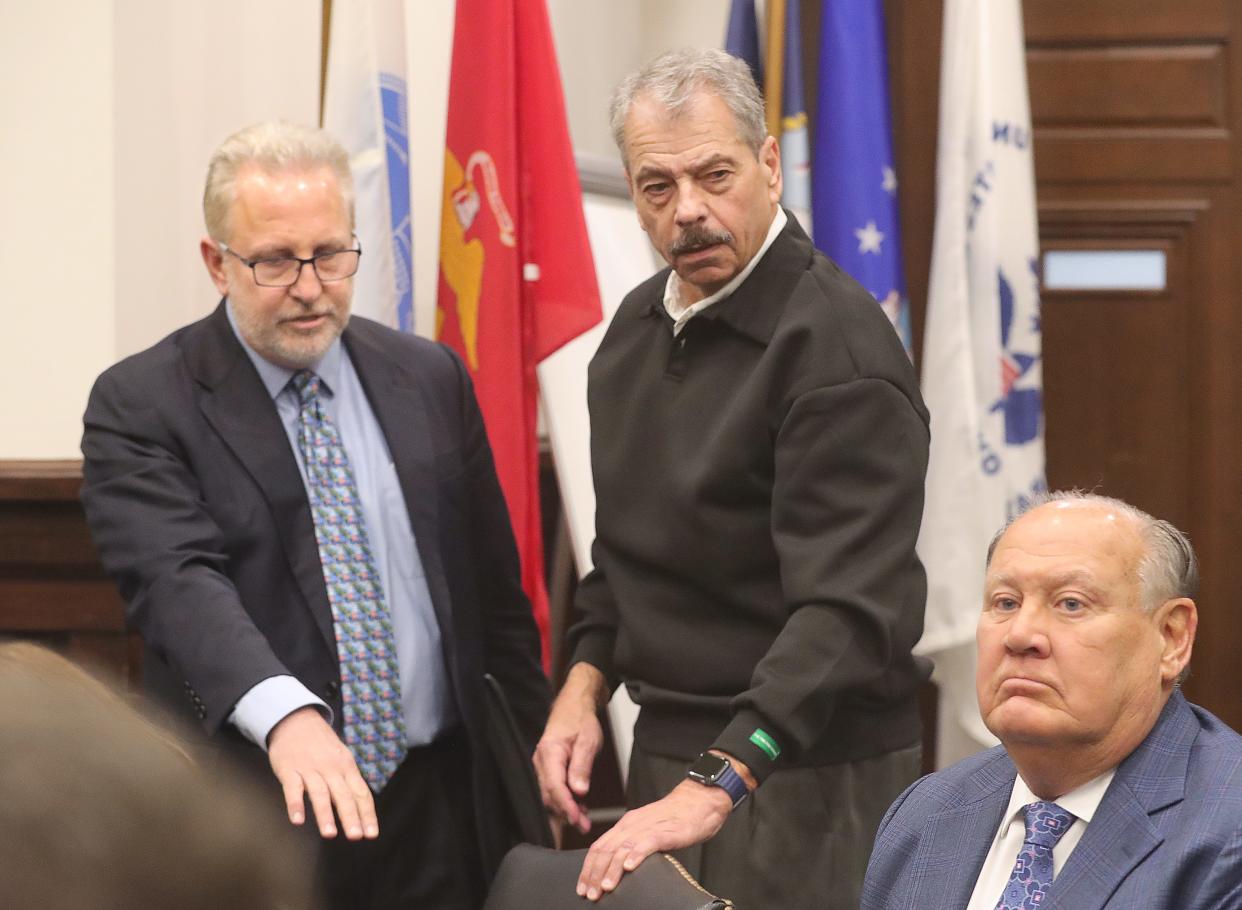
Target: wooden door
(1135, 122)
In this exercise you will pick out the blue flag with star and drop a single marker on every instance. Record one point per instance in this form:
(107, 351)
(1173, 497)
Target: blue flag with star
(853, 181)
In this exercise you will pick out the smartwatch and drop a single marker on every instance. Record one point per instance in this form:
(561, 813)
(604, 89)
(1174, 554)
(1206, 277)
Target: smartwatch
(714, 771)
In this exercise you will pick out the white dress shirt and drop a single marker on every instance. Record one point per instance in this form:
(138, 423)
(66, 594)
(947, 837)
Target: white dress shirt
(683, 312)
(1081, 802)
(426, 697)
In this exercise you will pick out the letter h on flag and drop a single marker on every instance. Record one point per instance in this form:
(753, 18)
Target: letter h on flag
(517, 280)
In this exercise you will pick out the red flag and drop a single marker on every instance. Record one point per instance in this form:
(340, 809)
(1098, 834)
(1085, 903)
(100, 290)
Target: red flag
(516, 276)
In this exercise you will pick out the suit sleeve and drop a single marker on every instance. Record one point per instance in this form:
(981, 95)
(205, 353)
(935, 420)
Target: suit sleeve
(894, 846)
(156, 539)
(511, 638)
(847, 502)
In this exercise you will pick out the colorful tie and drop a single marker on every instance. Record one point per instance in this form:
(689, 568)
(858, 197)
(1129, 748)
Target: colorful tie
(370, 684)
(1032, 873)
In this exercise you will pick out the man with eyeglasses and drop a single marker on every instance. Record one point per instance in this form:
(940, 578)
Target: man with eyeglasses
(302, 515)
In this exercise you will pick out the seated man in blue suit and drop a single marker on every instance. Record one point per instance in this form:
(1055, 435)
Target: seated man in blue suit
(1109, 789)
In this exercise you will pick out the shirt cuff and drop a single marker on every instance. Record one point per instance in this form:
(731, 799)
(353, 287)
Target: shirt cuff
(268, 703)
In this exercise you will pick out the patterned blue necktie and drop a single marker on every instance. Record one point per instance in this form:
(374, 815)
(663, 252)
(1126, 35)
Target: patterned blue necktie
(1031, 877)
(370, 683)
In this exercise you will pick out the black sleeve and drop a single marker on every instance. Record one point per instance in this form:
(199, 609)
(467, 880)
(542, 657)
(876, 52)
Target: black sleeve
(593, 638)
(145, 510)
(847, 502)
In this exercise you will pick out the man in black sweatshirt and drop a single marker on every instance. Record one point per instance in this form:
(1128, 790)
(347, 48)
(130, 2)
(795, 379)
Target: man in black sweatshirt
(759, 445)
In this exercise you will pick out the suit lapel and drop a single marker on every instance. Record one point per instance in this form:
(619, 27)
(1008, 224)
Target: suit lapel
(238, 407)
(399, 407)
(1119, 837)
(956, 841)
(1122, 835)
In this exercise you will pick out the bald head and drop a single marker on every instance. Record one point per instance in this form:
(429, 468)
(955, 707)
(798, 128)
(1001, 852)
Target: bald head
(1168, 567)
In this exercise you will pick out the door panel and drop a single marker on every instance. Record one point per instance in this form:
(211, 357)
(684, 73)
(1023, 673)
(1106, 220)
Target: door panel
(1135, 124)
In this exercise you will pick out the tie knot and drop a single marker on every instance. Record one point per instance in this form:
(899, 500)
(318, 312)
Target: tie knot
(306, 383)
(1046, 823)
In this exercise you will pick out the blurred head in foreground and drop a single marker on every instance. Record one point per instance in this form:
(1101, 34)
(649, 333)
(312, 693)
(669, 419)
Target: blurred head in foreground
(101, 808)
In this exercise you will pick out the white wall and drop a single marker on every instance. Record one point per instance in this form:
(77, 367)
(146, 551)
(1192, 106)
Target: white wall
(600, 41)
(108, 111)
(56, 206)
(187, 75)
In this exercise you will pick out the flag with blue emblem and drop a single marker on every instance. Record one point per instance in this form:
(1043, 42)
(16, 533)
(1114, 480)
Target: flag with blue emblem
(854, 180)
(366, 109)
(982, 374)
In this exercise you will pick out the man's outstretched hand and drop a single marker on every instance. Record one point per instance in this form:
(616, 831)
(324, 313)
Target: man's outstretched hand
(310, 761)
(690, 814)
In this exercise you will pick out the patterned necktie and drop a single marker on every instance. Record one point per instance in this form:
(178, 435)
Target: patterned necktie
(1032, 873)
(370, 684)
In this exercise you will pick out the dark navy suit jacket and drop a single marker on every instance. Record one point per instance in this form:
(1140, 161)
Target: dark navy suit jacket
(1167, 835)
(199, 512)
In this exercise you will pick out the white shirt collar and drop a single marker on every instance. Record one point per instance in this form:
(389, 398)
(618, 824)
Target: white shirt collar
(1081, 802)
(683, 313)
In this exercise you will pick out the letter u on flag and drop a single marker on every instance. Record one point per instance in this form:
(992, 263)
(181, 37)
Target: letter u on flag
(982, 375)
(365, 108)
(517, 279)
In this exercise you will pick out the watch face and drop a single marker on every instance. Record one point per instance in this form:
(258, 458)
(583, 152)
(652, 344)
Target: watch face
(707, 768)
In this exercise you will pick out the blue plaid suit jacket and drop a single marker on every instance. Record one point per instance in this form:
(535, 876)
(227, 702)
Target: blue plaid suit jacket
(1167, 835)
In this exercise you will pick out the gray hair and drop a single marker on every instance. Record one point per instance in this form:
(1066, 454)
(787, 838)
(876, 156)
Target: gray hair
(273, 146)
(672, 79)
(1169, 567)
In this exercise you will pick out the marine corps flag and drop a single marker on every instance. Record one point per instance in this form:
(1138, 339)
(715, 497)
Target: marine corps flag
(516, 276)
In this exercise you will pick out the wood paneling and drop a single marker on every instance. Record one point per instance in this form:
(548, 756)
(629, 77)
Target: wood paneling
(1145, 85)
(1125, 20)
(1135, 144)
(1140, 356)
(52, 587)
(1129, 112)
(1135, 128)
(1103, 156)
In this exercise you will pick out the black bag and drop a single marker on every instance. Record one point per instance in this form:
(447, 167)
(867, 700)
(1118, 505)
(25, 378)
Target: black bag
(536, 878)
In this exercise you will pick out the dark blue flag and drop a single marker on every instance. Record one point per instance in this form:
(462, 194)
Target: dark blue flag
(853, 180)
(742, 37)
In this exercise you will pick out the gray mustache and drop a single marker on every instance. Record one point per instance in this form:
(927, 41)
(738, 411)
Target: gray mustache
(696, 238)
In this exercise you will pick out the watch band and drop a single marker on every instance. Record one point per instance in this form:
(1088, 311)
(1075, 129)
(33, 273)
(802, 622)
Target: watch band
(733, 784)
(716, 771)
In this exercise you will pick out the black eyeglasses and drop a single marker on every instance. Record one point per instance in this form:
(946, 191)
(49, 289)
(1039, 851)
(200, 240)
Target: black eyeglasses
(284, 271)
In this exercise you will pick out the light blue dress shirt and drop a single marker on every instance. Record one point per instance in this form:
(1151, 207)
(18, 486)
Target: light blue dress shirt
(426, 698)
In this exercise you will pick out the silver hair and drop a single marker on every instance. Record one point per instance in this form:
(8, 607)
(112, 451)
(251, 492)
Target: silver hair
(1169, 567)
(273, 146)
(674, 78)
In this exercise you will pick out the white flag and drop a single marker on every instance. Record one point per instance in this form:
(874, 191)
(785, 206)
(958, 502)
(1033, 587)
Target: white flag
(982, 376)
(365, 107)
